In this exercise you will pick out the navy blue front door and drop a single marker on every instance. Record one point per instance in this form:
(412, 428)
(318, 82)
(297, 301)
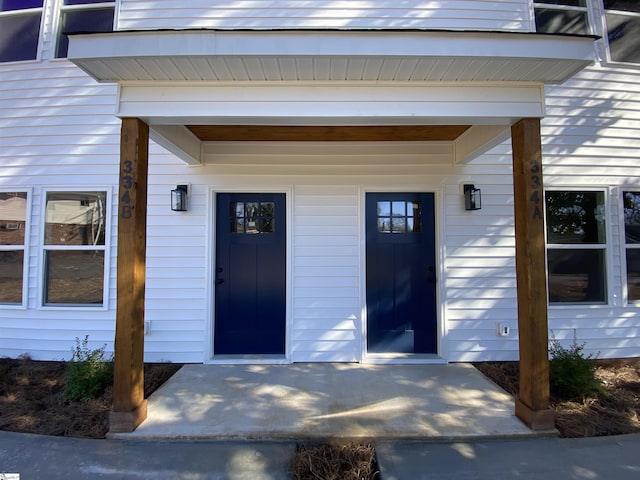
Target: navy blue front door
(250, 275)
(401, 281)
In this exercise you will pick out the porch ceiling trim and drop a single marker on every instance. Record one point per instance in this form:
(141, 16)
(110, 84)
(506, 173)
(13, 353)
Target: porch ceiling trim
(329, 55)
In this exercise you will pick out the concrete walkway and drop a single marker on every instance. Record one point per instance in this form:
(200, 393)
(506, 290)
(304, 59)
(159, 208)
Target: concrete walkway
(55, 458)
(320, 400)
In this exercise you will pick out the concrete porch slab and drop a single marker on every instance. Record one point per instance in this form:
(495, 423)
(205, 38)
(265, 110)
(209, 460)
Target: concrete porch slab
(322, 400)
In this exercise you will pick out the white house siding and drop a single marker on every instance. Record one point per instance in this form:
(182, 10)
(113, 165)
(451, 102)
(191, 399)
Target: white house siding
(58, 130)
(342, 14)
(591, 140)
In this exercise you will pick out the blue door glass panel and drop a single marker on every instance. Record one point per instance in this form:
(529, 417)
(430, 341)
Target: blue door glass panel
(401, 282)
(250, 274)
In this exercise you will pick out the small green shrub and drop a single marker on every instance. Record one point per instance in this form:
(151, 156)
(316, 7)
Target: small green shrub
(88, 372)
(571, 374)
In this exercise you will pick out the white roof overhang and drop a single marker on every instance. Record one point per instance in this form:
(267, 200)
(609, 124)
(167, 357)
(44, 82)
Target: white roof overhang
(424, 56)
(176, 78)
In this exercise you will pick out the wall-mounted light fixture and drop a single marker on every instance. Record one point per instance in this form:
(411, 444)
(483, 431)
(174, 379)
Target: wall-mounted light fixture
(472, 197)
(179, 198)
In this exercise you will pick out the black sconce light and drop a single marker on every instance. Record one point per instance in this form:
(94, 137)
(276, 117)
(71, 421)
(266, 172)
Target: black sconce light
(179, 198)
(472, 197)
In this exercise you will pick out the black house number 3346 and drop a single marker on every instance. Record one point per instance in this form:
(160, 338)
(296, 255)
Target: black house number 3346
(126, 183)
(535, 184)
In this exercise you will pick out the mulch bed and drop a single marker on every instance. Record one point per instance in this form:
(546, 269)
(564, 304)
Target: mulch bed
(31, 399)
(334, 461)
(615, 411)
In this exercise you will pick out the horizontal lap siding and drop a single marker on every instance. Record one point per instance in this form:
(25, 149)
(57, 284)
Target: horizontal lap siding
(326, 274)
(591, 137)
(474, 15)
(479, 246)
(57, 130)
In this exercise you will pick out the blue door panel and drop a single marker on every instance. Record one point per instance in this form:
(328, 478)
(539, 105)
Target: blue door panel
(400, 280)
(250, 281)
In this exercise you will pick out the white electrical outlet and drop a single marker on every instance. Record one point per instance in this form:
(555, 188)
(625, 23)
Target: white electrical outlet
(147, 328)
(503, 329)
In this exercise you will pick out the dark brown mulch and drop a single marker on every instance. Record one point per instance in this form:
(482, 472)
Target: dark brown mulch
(614, 411)
(334, 461)
(31, 399)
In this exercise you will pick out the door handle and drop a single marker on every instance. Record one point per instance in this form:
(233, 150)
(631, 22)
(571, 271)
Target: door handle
(219, 281)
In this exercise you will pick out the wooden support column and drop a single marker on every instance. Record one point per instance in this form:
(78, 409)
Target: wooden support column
(129, 405)
(532, 404)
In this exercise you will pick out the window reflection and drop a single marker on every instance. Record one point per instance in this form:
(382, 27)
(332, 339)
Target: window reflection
(252, 217)
(399, 217)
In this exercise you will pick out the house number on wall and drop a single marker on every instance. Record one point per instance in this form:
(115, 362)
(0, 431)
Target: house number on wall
(536, 186)
(126, 183)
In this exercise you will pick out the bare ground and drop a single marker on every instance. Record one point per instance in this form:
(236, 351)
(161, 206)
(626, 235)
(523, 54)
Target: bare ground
(614, 411)
(31, 399)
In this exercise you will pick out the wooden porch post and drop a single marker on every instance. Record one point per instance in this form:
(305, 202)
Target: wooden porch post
(129, 405)
(532, 404)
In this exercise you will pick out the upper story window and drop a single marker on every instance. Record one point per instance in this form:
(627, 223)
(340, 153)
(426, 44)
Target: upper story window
(83, 16)
(13, 223)
(623, 30)
(576, 246)
(75, 242)
(562, 16)
(19, 29)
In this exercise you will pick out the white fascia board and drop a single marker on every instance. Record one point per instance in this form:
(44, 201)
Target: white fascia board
(328, 43)
(178, 140)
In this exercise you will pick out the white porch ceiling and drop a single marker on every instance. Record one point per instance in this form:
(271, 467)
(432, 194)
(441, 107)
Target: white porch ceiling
(291, 56)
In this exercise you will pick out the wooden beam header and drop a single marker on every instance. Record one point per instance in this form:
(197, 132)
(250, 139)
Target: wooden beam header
(308, 133)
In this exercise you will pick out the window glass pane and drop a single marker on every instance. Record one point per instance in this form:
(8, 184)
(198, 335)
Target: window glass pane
(82, 2)
(13, 209)
(74, 277)
(82, 21)
(384, 209)
(571, 3)
(399, 209)
(575, 217)
(415, 210)
(11, 273)
(633, 274)
(631, 216)
(384, 224)
(268, 225)
(19, 37)
(626, 5)
(237, 209)
(399, 225)
(9, 5)
(561, 21)
(576, 275)
(623, 32)
(75, 218)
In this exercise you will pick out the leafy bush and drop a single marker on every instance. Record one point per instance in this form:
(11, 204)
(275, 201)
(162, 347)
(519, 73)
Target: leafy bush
(571, 374)
(88, 372)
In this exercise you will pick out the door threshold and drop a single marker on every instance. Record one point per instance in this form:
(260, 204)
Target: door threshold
(404, 358)
(249, 359)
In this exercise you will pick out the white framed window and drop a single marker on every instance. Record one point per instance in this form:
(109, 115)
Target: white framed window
(622, 30)
(562, 16)
(74, 248)
(20, 25)
(576, 229)
(14, 234)
(83, 16)
(631, 206)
